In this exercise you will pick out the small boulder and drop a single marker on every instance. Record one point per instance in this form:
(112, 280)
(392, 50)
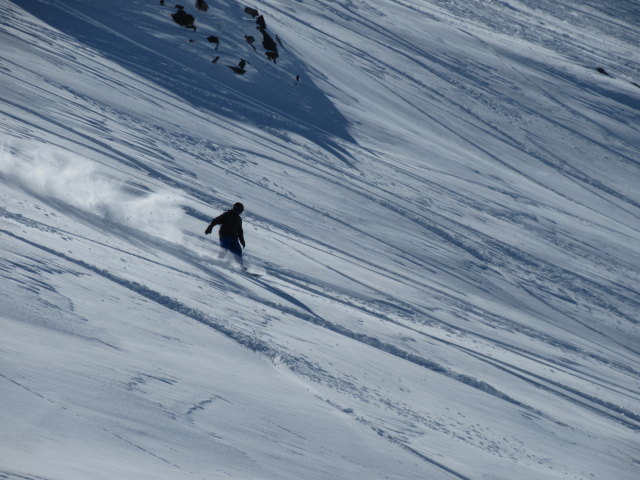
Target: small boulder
(240, 70)
(202, 5)
(250, 40)
(184, 19)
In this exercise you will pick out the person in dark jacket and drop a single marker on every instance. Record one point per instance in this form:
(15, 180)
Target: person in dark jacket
(231, 236)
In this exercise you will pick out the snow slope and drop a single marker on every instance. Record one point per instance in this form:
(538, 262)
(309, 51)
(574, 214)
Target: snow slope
(445, 210)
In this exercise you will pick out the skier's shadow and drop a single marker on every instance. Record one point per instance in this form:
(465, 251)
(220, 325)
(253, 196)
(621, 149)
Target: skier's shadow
(285, 296)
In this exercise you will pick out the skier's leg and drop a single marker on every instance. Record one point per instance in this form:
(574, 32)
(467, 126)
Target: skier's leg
(230, 244)
(224, 247)
(236, 249)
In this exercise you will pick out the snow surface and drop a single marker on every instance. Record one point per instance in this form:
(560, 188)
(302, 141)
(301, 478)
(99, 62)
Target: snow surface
(445, 210)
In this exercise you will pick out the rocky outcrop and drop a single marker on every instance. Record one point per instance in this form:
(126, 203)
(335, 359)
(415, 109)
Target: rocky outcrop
(269, 45)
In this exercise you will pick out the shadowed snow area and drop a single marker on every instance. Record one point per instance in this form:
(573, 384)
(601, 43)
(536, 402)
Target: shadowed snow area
(442, 218)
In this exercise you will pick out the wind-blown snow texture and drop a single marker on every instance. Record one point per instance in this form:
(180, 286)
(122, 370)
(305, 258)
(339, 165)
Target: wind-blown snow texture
(446, 206)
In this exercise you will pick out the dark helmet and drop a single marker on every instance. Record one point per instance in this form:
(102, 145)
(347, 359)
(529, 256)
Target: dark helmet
(238, 207)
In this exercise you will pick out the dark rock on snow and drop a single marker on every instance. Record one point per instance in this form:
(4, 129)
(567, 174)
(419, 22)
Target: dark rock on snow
(240, 70)
(251, 11)
(202, 5)
(184, 19)
(214, 39)
(270, 46)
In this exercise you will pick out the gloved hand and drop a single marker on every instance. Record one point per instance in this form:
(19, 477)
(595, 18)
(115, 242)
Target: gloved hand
(208, 230)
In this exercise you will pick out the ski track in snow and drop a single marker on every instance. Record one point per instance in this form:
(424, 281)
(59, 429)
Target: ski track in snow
(445, 209)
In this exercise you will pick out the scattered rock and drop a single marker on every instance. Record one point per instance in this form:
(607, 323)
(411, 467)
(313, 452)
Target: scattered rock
(250, 40)
(272, 56)
(184, 19)
(202, 5)
(270, 46)
(240, 70)
(251, 11)
(268, 42)
(214, 39)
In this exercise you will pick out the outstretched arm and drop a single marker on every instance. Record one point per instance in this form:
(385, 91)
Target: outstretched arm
(214, 222)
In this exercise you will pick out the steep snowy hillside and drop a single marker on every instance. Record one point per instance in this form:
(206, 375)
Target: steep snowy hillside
(442, 216)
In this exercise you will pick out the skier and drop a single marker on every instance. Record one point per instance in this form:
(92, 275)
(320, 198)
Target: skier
(231, 235)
